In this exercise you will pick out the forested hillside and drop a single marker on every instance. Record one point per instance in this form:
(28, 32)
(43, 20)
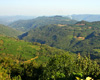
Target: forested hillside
(5, 30)
(82, 37)
(26, 25)
(34, 61)
(26, 49)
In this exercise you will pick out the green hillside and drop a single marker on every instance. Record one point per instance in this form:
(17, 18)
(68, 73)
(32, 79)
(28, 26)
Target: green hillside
(20, 60)
(5, 30)
(78, 38)
(27, 50)
(26, 25)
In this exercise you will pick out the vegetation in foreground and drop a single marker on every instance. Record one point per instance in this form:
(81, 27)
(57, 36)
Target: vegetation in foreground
(59, 67)
(20, 60)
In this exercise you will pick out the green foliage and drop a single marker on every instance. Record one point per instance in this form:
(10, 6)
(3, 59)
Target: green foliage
(65, 67)
(10, 69)
(3, 74)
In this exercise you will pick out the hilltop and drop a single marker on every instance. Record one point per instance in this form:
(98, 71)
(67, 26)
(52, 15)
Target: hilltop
(26, 25)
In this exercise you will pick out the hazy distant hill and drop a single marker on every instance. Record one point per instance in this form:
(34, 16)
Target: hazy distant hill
(25, 25)
(86, 17)
(9, 19)
(5, 30)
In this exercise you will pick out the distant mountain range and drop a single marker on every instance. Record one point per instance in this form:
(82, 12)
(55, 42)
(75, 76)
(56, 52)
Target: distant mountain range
(86, 17)
(26, 25)
(9, 19)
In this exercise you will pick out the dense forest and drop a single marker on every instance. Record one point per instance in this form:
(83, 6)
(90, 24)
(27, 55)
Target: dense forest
(82, 37)
(51, 48)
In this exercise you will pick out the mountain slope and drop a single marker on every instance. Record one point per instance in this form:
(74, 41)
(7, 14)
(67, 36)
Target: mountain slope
(69, 37)
(25, 25)
(27, 50)
(5, 30)
(20, 60)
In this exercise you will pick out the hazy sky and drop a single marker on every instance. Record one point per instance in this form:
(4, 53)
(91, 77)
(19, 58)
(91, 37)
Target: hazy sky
(49, 7)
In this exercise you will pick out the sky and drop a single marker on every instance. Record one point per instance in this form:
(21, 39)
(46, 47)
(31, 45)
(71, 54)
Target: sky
(48, 7)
